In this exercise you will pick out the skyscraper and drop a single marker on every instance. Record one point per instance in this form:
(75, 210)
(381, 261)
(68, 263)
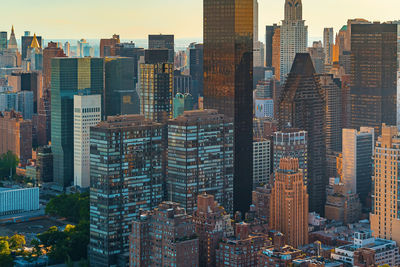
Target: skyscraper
(385, 215)
(52, 50)
(302, 105)
(163, 41)
(195, 64)
(200, 158)
(289, 203)
(164, 237)
(125, 178)
(12, 43)
(70, 76)
(87, 113)
(120, 94)
(269, 34)
(328, 44)
(357, 155)
(26, 41)
(261, 161)
(373, 75)
(293, 35)
(156, 85)
(228, 69)
(318, 56)
(3, 41)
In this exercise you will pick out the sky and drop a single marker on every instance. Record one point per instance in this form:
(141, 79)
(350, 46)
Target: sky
(135, 19)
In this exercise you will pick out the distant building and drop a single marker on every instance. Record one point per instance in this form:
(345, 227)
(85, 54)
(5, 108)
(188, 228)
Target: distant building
(241, 249)
(16, 135)
(164, 42)
(21, 102)
(165, 236)
(18, 200)
(269, 34)
(182, 103)
(318, 56)
(44, 163)
(130, 50)
(195, 65)
(385, 215)
(3, 41)
(200, 154)
(289, 203)
(87, 113)
(261, 200)
(383, 251)
(28, 81)
(212, 224)
(107, 46)
(328, 45)
(125, 178)
(26, 41)
(52, 50)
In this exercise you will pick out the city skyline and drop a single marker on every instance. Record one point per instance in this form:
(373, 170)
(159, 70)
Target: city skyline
(130, 18)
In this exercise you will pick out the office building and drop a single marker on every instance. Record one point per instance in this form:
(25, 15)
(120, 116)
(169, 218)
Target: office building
(163, 41)
(261, 162)
(120, 95)
(3, 41)
(87, 113)
(318, 56)
(241, 249)
(258, 54)
(384, 252)
(44, 119)
(14, 201)
(385, 215)
(373, 75)
(182, 103)
(12, 42)
(156, 84)
(80, 47)
(70, 76)
(228, 68)
(358, 149)
(182, 83)
(130, 50)
(44, 163)
(261, 199)
(125, 178)
(269, 34)
(34, 56)
(289, 203)
(107, 46)
(291, 143)
(302, 105)
(212, 224)
(293, 36)
(26, 42)
(341, 205)
(28, 81)
(200, 158)
(195, 64)
(67, 49)
(276, 53)
(328, 45)
(21, 102)
(16, 135)
(165, 236)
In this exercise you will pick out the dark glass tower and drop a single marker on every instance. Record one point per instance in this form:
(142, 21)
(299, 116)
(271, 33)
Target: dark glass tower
(373, 75)
(302, 105)
(228, 82)
(163, 41)
(70, 76)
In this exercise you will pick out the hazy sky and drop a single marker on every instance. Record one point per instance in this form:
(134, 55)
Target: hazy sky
(134, 19)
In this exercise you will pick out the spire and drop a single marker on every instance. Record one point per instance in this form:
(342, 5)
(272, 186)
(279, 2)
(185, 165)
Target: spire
(35, 43)
(12, 29)
(12, 43)
(293, 10)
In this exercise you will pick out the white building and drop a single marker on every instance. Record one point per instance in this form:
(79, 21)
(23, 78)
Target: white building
(293, 35)
(87, 113)
(18, 200)
(261, 162)
(386, 251)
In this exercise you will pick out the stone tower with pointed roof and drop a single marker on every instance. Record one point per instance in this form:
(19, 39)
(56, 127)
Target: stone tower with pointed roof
(293, 10)
(302, 105)
(12, 43)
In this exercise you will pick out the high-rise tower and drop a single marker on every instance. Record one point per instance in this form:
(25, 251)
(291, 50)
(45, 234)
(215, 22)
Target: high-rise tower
(228, 82)
(293, 35)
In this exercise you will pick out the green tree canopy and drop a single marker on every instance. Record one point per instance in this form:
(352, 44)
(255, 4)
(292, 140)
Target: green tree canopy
(17, 242)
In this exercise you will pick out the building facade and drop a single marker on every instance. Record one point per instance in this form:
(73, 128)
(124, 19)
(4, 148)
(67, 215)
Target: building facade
(87, 113)
(18, 200)
(200, 158)
(163, 41)
(261, 162)
(125, 178)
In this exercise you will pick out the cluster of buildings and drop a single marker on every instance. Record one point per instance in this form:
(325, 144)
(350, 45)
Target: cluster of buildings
(226, 154)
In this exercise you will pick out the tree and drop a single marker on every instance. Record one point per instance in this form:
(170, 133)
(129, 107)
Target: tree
(17, 242)
(8, 163)
(6, 259)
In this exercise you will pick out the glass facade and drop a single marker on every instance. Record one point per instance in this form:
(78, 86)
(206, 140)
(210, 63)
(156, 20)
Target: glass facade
(200, 158)
(228, 82)
(125, 177)
(70, 76)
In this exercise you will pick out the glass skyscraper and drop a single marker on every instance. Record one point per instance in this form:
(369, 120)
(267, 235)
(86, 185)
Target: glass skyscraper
(228, 82)
(70, 76)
